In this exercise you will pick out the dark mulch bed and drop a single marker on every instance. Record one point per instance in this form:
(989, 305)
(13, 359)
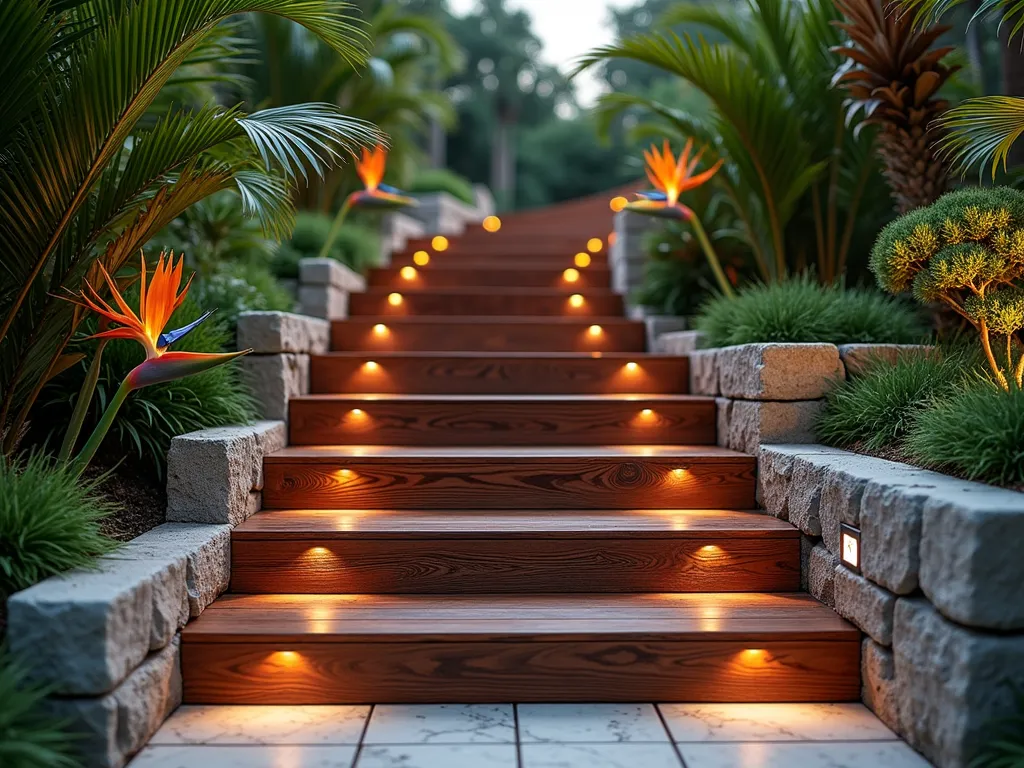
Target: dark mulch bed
(141, 498)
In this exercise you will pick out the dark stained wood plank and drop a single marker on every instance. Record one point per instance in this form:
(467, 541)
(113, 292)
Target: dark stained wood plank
(587, 671)
(434, 276)
(435, 564)
(435, 420)
(487, 334)
(498, 373)
(415, 478)
(484, 302)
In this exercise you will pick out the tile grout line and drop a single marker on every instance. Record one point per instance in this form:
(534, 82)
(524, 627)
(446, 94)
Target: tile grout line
(668, 732)
(362, 736)
(519, 745)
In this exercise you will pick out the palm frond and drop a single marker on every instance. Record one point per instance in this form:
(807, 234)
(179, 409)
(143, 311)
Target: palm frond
(981, 132)
(25, 37)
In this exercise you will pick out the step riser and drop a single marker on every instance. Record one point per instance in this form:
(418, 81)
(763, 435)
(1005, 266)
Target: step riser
(503, 376)
(502, 483)
(424, 423)
(520, 671)
(476, 260)
(358, 335)
(483, 304)
(431, 278)
(529, 565)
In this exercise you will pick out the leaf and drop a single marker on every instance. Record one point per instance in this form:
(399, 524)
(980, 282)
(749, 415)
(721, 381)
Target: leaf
(981, 131)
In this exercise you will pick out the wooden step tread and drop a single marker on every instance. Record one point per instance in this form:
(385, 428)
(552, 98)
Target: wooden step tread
(329, 524)
(485, 356)
(332, 453)
(462, 320)
(615, 397)
(508, 290)
(750, 617)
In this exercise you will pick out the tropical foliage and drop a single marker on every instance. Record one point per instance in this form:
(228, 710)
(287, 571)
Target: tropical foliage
(802, 181)
(88, 173)
(965, 251)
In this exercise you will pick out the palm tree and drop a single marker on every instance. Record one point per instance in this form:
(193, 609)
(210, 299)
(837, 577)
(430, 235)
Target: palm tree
(87, 176)
(802, 182)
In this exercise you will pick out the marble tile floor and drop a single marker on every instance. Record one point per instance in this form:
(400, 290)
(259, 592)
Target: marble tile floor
(528, 736)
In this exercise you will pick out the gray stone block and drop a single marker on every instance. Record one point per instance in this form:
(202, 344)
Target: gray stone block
(324, 301)
(775, 480)
(774, 475)
(659, 325)
(329, 272)
(778, 371)
(821, 575)
(397, 229)
(113, 727)
(951, 681)
(704, 372)
(679, 342)
(859, 357)
(865, 604)
(890, 535)
(443, 214)
(807, 545)
(878, 683)
(972, 567)
(275, 380)
(753, 423)
(216, 475)
(274, 332)
(723, 418)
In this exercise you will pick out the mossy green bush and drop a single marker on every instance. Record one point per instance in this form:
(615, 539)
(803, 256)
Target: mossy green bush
(442, 180)
(357, 245)
(800, 310)
(237, 288)
(29, 738)
(49, 523)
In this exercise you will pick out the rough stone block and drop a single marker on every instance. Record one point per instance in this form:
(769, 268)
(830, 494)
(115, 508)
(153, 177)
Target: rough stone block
(857, 358)
(704, 372)
(778, 371)
(659, 325)
(865, 604)
(323, 301)
(679, 342)
(807, 545)
(443, 214)
(774, 475)
(203, 551)
(275, 380)
(878, 683)
(84, 631)
(753, 423)
(329, 272)
(776, 464)
(113, 727)
(723, 418)
(972, 568)
(890, 535)
(951, 681)
(821, 575)
(216, 475)
(274, 332)
(397, 229)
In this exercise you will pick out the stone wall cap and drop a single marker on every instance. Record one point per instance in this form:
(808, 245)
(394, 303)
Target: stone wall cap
(330, 272)
(276, 332)
(234, 432)
(778, 371)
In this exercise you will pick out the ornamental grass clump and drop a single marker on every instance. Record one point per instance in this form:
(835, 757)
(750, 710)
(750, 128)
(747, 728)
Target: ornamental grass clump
(29, 738)
(965, 251)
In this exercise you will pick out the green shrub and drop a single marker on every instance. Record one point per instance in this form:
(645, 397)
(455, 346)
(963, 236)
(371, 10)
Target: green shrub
(49, 523)
(1003, 738)
(877, 410)
(151, 416)
(357, 245)
(801, 310)
(28, 737)
(237, 288)
(977, 433)
(442, 180)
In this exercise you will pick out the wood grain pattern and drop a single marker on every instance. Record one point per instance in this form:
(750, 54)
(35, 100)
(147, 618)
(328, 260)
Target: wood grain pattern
(498, 373)
(568, 671)
(487, 302)
(476, 480)
(487, 334)
(435, 564)
(425, 420)
(437, 276)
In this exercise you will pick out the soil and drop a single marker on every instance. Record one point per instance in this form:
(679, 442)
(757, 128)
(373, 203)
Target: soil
(140, 498)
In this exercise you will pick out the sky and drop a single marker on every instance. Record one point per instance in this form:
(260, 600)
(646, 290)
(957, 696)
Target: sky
(567, 29)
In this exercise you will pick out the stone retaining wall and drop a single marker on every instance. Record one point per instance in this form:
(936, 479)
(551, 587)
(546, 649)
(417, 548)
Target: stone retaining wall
(939, 596)
(324, 287)
(443, 214)
(107, 638)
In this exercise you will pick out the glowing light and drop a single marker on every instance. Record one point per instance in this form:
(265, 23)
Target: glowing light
(754, 655)
(576, 300)
(284, 658)
(408, 273)
(617, 203)
(571, 275)
(380, 329)
(632, 367)
(849, 546)
(492, 223)
(344, 474)
(595, 244)
(582, 259)
(421, 258)
(710, 549)
(678, 472)
(370, 366)
(595, 330)
(647, 413)
(395, 299)
(612, 237)
(439, 243)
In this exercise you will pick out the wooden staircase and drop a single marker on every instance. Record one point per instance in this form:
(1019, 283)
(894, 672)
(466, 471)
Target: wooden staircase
(494, 494)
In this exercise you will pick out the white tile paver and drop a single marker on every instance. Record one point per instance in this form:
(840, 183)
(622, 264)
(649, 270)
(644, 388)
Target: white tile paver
(264, 725)
(439, 756)
(835, 754)
(773, 722)
(441, 724)
(600, 756)
(594, 723)
(254, 756)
